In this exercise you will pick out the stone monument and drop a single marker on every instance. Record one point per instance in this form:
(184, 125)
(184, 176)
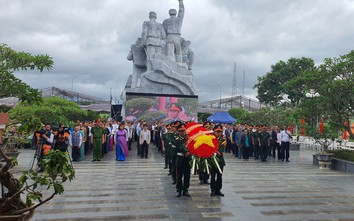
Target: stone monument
(162, 59)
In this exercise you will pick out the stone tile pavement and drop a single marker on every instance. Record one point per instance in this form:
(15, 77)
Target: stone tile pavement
(140, 189)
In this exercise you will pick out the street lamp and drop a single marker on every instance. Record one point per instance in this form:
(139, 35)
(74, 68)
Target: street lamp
(217, 84)
(311, 95)
(72, 80)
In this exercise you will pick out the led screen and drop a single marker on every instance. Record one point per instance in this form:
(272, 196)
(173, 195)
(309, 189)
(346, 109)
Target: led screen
(165, 108)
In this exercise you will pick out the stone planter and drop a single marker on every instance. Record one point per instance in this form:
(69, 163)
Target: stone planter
(325, 160)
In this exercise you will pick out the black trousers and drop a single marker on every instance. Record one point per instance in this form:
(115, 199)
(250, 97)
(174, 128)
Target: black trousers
(173, 168)
(279, 151)
(274, 148)
(235, 150)
(203, 176)
(228, 146)
(285, 150)
(76, 153)
(167, 157)
(256, 151)
(246, 153)
(183, 173)
(216, 179)
(264, 152)
(144, 150)
(130, 140)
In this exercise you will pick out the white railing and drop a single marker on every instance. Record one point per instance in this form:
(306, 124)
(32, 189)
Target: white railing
(309, 143)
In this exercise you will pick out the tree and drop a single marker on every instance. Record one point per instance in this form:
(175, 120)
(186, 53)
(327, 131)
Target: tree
(52, 110)
(272, 87)
(334, 81)
(279, 116)
(240, 114)
(11, 61)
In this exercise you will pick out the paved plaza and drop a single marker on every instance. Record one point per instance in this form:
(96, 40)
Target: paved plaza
(140, 189)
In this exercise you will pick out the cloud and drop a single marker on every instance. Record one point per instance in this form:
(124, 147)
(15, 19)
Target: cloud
(94, 38)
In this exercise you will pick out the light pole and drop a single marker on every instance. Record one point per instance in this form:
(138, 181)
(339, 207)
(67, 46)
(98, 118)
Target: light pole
(72, 80)
(217, 84)
(311, 95)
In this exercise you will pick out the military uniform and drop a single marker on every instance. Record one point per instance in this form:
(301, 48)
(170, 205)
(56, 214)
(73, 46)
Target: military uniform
(173, 156)
(182, 165)
(166, 140)
(97, 134)
(216, 185)
(264, 143)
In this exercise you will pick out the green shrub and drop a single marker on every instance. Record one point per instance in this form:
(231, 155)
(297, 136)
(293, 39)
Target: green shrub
(343, 154)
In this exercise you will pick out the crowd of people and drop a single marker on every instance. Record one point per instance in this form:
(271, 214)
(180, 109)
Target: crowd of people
(98, 138)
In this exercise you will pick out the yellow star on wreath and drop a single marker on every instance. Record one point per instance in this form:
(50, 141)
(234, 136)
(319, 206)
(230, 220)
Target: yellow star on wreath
(204, 139)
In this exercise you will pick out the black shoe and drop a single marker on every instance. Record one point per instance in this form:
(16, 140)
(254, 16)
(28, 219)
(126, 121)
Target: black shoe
(219, 193)
(174, 182)
(206, 182)
(212, 193)
(201, 183)
(179, 194)
(146, 157)
(185, 193)
(169, 174)
(165, 167)
(288, 161)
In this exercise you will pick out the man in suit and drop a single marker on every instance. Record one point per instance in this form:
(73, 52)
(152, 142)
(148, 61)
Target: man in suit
(144, 141)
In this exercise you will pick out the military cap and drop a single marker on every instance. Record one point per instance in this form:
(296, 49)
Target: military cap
(175, 106)
(217, 128)
(181, 127)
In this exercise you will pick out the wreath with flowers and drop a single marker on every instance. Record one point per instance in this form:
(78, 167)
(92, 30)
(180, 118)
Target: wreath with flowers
(203, 145)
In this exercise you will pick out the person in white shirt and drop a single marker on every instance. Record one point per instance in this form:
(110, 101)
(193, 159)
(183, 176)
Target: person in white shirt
(129, 129)
(144, 141)
(285, 143)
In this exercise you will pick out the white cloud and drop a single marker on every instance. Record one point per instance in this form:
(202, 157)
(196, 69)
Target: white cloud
(94, 37)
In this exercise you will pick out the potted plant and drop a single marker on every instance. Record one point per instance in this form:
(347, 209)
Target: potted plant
(325, 135)
(57, 170)
(12, 140)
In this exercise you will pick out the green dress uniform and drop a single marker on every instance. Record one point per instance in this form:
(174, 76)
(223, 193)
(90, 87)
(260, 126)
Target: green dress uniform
(97, 133)
(216, 184)
(173, 156)
(264, 143)
(183, 169)
(166, 140)
(255, 136)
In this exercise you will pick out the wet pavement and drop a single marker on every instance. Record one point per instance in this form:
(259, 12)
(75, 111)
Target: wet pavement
(140, 189)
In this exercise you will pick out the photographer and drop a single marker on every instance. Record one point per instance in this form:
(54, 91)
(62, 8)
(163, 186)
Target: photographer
(61, 137)
(45, 142)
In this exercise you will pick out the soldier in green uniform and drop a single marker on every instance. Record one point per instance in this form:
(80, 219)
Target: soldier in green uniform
(165, 138)
(173, 152)
(255, 143)
(182, 162)
(97, 139)
(216, 185)
(264, 143)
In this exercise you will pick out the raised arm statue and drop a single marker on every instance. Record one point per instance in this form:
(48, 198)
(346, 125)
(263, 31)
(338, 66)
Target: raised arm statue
(172, 28)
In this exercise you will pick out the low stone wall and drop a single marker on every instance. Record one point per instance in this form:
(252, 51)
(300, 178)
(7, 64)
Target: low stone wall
(338, 164)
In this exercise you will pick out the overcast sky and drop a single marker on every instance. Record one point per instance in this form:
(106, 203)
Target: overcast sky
(93, 37)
